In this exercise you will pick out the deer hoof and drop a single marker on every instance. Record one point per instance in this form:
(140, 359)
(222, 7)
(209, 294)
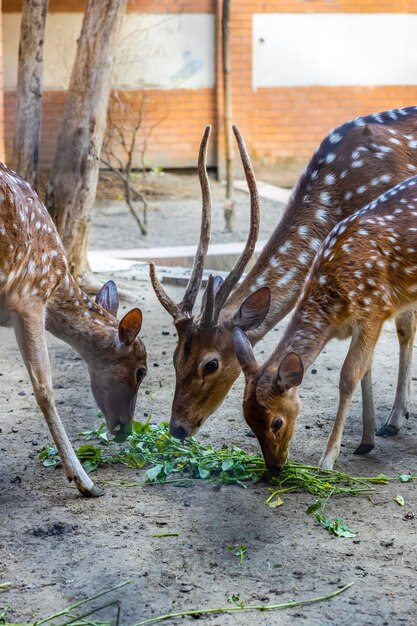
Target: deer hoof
(364, 448)
(90, 492)
(388, 430)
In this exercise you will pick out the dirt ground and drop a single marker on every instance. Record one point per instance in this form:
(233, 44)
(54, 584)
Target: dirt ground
(56, 547)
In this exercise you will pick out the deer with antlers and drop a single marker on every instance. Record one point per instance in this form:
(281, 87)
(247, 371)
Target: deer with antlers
(37, 292)
(354, 164)
(364, 273)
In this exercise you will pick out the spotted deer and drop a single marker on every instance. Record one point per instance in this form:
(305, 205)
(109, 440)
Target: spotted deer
(364, 273)
(37, 292)
(353, 165)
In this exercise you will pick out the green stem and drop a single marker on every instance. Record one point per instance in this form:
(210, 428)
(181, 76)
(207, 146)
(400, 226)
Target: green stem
(80, 602)
(254, 607)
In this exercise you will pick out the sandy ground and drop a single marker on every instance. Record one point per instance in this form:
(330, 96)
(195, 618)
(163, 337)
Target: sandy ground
(56, 547)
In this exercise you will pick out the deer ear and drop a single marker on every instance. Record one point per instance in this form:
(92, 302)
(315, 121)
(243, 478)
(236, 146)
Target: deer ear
(129, 326)
(244, 352)
(290, 372)
(108, 297)
(253, 310)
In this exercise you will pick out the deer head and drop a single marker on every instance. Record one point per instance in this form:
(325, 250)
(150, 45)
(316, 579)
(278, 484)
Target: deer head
(116, 376)
(270, 404)
(204, 359)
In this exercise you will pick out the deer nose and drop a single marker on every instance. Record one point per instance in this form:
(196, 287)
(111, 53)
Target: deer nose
(178, 432)
(273, 470)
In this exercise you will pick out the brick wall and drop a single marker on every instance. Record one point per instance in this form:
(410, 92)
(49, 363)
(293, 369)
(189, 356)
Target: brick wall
(282, 126)
(2, 151)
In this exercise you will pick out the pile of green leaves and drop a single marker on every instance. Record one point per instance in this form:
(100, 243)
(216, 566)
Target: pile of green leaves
(172, 460)
(180, 462)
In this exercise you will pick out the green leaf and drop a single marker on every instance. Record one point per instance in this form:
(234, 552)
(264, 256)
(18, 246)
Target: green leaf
(152, 474)
(315, 506)
(336, 527)
(273, 504)
(228, 464)
(405, 478)
(399, 500)
(203, 473)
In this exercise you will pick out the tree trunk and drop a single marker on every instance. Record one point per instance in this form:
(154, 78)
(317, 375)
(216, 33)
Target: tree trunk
(73, 179)
(227, 91)
(29, 91)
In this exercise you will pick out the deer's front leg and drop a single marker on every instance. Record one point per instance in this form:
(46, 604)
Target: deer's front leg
(356, 366)
(30, 334)
(406, 330)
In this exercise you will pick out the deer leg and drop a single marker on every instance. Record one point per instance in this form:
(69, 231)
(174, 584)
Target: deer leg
(368, 415)
(30, 334)
(355, 367)
(406, 330)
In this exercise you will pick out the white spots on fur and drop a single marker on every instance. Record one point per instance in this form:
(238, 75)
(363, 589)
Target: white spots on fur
(330, 158)
(315, 244)
(357, 163)
(285, 247)
(330, 179)
(361, 189)
(412, 144)
(321, 215)
(411, 167)
(377, 117)
(348, 195)
(303, 231)
(325, 197)
(304, 258)
(335, 137)
(287, 278)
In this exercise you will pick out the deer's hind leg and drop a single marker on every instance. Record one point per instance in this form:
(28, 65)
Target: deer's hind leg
(368, 415)
(30, 335)
(406, 324)
(357, 363)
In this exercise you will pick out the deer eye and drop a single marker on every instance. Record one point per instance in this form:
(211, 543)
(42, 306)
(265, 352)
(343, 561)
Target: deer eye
(141, 373)
(277, 425)
(211, 366)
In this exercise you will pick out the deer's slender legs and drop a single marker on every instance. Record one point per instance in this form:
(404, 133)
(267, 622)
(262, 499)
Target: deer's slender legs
(30, 334)
(406, 330)
(355, 367)
(368, 415)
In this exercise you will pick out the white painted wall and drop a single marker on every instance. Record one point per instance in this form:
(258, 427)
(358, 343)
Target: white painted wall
(155, 50)
(295, 49)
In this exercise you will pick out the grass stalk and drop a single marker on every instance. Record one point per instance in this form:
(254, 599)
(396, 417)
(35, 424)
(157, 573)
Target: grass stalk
(248, 607)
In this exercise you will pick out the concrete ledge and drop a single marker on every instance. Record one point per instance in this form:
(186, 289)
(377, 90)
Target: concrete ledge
(221, 256)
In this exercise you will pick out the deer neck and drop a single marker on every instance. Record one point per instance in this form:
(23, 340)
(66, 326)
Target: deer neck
(307, 333)
(73, 317)
(287, 257)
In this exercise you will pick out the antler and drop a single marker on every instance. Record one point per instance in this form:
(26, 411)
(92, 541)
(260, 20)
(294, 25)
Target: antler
(237, 271)
(194, 283)
(168, 304)
(184, 309)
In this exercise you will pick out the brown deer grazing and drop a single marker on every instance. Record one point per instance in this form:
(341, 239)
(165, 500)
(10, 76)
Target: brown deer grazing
(353, 165)
(364, 273)
(37, 292)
